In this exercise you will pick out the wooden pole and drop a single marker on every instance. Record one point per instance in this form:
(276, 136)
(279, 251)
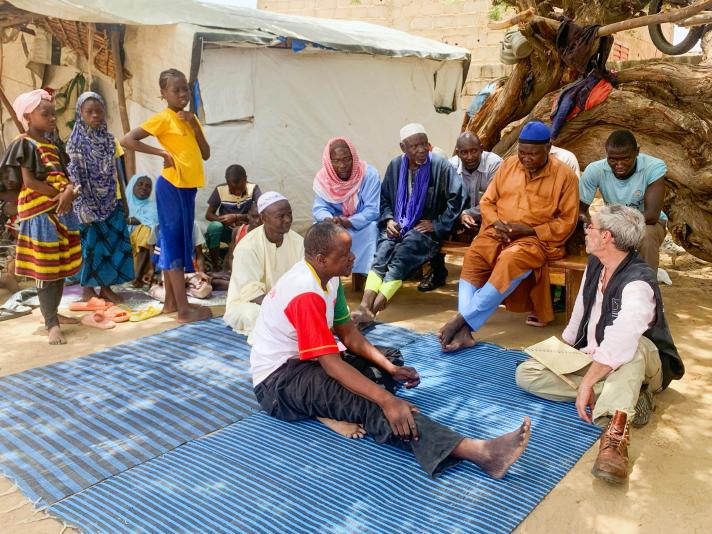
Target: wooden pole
(520, 17)
(659, 18)
(629, 24)
(119, 77)
(90, 52)
(10, 110)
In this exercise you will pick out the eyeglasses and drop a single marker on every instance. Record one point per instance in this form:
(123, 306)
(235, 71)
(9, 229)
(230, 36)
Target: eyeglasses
(589, 226)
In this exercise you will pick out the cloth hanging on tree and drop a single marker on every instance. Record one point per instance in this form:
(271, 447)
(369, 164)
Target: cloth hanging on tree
(580, 48)
(576, 97)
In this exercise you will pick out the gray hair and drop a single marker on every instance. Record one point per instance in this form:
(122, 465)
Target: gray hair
(626, 225)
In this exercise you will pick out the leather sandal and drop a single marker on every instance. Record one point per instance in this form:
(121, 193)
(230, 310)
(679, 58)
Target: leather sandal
(431, 282)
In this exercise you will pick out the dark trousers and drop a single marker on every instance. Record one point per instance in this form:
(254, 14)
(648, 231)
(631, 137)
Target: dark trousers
(50, 295)
(397, 259)
(302, 389)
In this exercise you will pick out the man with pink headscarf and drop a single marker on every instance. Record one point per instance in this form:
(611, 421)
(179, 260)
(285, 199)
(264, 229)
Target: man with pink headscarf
(348, 193)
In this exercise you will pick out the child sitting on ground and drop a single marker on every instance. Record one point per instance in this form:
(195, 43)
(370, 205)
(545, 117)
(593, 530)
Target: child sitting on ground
(143, 218)
(227, 209)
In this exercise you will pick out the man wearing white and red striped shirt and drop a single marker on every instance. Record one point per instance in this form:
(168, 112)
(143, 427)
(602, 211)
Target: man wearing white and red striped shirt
(299, 372)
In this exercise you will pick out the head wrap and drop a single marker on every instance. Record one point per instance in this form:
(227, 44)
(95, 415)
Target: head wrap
(28, 102)
(92, 164)
(267, 199)
(333, 189)
(143, 210)
(535, 133)
(411, 129)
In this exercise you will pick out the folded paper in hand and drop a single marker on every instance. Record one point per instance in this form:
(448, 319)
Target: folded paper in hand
(559, 358)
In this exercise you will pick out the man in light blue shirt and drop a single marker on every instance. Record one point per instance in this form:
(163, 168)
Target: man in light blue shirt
(633, 179)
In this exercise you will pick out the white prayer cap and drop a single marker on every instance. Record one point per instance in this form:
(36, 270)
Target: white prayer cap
(267, 199)
(411, 129)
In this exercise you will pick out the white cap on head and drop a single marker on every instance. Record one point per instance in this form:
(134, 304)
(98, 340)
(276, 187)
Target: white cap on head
(267, 199)
(412, 129)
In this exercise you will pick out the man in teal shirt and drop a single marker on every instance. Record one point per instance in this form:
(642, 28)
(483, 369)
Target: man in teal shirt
(633, 179)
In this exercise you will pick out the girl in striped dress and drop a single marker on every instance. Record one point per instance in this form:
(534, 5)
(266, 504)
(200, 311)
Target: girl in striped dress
(48, 245)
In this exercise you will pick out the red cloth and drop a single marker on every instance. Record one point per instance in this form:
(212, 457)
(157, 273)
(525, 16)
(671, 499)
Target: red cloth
(333, 189)
(307, 313)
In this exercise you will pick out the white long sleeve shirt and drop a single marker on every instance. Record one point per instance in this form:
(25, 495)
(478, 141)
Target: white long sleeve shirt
(620, 339)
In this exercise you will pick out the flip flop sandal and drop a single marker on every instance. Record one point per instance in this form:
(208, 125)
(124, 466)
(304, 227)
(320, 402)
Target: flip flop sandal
(93, 304)
(98, 320)
(533, 320)
(146, 313)
(118, 314)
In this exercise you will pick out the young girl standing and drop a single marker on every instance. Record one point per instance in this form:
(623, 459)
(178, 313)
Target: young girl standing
(48, 246)
(184, 148)
(106, 248)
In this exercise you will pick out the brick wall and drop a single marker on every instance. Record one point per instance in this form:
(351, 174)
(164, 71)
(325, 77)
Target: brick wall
(457, 22)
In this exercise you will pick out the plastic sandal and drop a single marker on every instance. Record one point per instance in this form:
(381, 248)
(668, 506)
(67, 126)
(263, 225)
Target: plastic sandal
(118, 314)
(93, 304)
(146, 313)
(98, 320)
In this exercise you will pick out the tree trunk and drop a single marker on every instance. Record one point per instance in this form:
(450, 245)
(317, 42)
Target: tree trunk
(668, 107)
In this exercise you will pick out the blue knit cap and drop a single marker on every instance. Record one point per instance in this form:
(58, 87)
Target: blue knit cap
(535, 133)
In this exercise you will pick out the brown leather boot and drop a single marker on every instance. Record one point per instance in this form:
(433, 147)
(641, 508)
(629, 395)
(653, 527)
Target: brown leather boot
(612, 461)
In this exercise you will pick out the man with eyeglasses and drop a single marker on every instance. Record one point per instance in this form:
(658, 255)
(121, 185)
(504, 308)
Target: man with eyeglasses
(618, 320)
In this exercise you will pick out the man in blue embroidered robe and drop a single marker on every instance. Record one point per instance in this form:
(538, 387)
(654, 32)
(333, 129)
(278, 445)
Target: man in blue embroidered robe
(421, 198)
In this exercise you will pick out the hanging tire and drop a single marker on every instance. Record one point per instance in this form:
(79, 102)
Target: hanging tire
(661, 42)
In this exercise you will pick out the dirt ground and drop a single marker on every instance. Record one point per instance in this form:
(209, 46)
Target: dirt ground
(670, 485)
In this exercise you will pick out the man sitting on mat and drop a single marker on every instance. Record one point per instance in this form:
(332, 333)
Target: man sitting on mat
(298, 370)
(529, 210)
(618, 320)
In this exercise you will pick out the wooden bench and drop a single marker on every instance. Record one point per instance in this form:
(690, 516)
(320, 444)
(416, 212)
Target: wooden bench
(566, 272)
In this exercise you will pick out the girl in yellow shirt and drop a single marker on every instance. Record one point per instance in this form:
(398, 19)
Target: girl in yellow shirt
(184, 148)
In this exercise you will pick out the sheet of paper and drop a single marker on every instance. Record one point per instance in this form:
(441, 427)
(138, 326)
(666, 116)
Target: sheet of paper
(559, 357)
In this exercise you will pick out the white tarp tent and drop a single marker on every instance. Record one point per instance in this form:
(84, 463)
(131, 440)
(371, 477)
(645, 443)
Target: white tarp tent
(275, 88)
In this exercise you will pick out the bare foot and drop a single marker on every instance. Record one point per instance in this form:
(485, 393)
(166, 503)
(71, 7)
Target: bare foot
(108, 294)
(496, 456)
(533, 320)
(137, 283)
(362, 316)
(450, 329)
(379, 304)
(192, 315)
(170, 309)
(64, 319)
(56, 337)
(88, 293)
(344, 428)
(462, 340)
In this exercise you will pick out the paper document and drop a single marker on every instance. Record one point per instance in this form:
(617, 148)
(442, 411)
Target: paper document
(559, 357)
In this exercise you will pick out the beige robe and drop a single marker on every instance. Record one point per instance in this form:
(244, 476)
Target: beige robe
(257, 265)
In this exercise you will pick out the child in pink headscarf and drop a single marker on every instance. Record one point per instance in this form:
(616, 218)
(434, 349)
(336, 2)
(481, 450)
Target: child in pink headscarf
(48, 245)
(348, 192)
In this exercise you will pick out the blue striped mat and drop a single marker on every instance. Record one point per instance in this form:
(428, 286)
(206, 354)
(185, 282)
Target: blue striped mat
(264, 475)
(67, 426)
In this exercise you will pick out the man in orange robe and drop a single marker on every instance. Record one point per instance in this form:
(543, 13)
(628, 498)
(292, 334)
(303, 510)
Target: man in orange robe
(528, 212)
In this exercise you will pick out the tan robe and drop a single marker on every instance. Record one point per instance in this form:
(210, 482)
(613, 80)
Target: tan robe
(547, 201)
(256, 266)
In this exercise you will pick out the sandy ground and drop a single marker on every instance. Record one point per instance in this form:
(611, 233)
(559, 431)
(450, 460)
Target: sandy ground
(670, 485)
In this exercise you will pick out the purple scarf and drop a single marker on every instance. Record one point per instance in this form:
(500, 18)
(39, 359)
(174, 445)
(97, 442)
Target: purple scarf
(409, 210)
